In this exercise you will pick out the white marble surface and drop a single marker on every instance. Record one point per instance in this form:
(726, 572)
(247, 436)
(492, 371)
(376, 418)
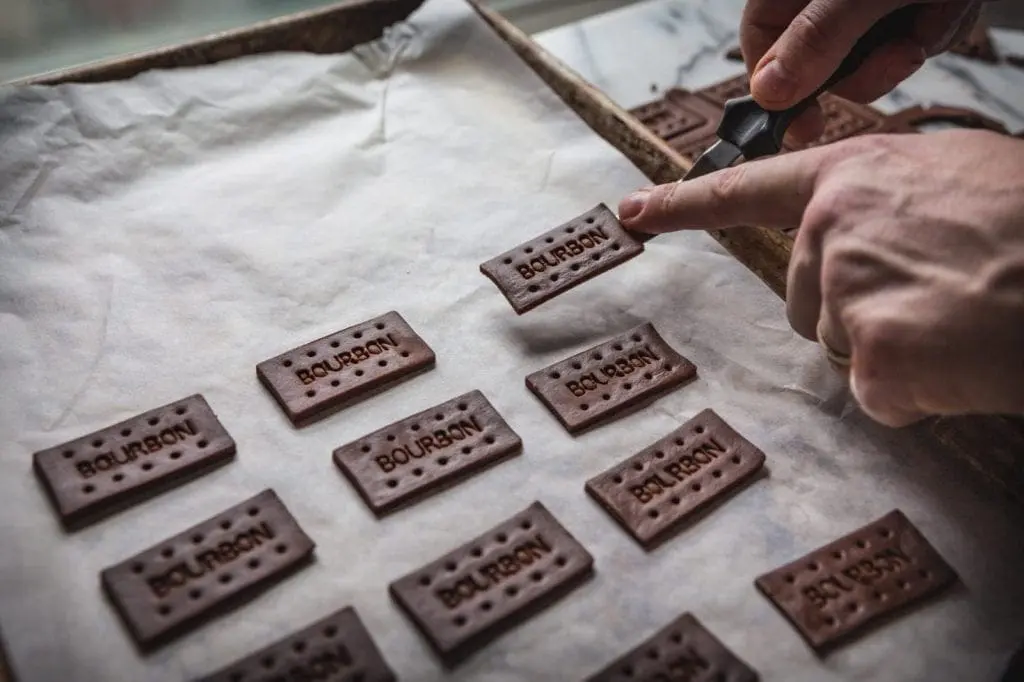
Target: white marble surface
(636, 52)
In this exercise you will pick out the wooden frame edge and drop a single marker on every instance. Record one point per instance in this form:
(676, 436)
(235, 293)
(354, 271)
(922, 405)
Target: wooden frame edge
(333, 29)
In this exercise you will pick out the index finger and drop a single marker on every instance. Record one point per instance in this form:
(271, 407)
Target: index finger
(769, 192)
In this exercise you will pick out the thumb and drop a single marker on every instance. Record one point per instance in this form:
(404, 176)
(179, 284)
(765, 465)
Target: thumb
(812, 47)
(770, 192)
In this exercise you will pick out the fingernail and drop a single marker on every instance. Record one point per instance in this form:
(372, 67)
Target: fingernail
(633, 205)
(774, 83)
(853, 389)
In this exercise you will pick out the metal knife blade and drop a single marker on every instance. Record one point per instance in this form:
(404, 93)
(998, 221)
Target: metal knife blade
(721, 154)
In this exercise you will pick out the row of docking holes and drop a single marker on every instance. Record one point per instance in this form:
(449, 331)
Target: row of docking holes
(335, 382)
(660, 454)
(298, 646)
(224, 578)
(443, 460)
(551, 240)
(628, 386)
(126, 432)
(311, 353)
(89, 488)
(575, 267)
(853, 607)
(628, 670)
(597, 356)
(840, 554)
(334, 344)
(511, 591)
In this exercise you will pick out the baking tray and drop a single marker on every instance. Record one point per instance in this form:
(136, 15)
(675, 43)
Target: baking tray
(990, 444)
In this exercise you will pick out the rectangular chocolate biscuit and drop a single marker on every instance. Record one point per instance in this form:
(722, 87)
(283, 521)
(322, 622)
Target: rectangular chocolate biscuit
(682, 650)
(841, 588)
(607, 380)
(666, 120)
(843, 119)
(314, 380)
(672, 117)
(105, 471)
(695, 141)
(561, 259)
(426, 452)
(653, 492)
(723, 91)
(172, 586)
(334, 649)
(472, 594)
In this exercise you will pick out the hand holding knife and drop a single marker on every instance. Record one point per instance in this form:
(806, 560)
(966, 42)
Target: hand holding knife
(748, 130)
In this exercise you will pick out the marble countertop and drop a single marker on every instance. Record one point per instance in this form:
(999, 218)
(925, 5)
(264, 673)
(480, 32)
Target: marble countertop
(637, 52)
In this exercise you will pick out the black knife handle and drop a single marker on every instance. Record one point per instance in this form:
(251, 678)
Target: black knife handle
(757, 132)
(1015, 671)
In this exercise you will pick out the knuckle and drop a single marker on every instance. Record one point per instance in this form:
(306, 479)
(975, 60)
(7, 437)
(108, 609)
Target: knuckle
(822, 213)
(879, 345)
(668, 198)
(803, 299)
(760, 24)
(835, 204)
(861, 150)
(726, 183)
(712, 203)
(832, 277)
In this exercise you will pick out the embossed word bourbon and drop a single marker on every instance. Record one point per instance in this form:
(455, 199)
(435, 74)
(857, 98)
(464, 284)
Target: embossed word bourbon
(430, 449)
(356, 354)
(336, 648)
(562, 258)
(836, 584)
(501, 567)
(172, 586)
(653, 492)
(858, 579)
(175, 434)
(196, 565)
(609, 379)
(620, 367)
(682, 651)
(97, 474)
(436, 441)
(676, 472)
(478, 590)
(572, 246)
(314, 380)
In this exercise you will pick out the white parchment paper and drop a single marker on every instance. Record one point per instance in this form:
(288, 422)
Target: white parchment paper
(161, 236)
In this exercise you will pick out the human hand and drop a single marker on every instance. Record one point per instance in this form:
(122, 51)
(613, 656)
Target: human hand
(791, 47)
(909, 260)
